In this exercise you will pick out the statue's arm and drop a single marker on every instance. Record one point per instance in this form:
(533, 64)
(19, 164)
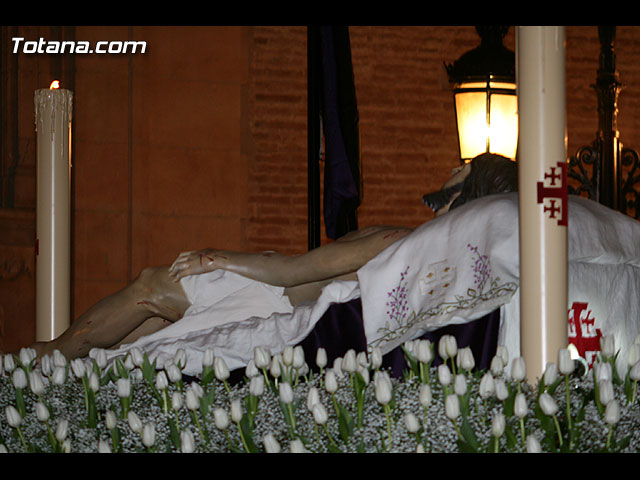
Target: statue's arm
(328, 261)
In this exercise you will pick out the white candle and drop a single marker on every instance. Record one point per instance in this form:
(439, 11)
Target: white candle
(53, 212)
(542, 195)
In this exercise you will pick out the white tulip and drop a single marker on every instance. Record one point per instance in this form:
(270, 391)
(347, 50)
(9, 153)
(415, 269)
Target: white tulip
(411, 422)
(59, 360)
(286, 393)
(424, 354)
(176, 401)
(533, 445)
(565, 362)
(9, 363)
(313, 397)
(503, 353)
(187, 442)
(136, 356)
(124, 387)
(612, 412)
(497, 366)
(320, 415)
(103, 446)
(465, 359)
(447, 347)
(605, 391)
(261, 358)
(134, 421)
(27, 355)
(46, 365)
(331, 381)
(634, 372)
(220, 368)
(487, 386)
(149, 434)
(94, 382)
(425, 395)
(452, 407)
(548, 404)
(221, 418)
(42, 412)
(59, 375)
(602, 371)
(502, 393)
(256, 386)
(191, 400)
(251, 370)
(520, 406)
(383, 389)
(518, 369)
(275, 369)
(287, 356)
(162, 382)
(271, 445)
(321, 357)
(607, 346)
(362, 359)
(633, 355)
(62, 429)
(78, 367)
(298, 357)
(100, 356)
(498, 425)
(296, 446)
(349, 363)
(208, 358)
(14, 419)
(173, 372)
(444, 375)
(337, 366)
(460, 385)
(375, 358)
(550, 374)
(110, 420)
(236, 410)
(180, 358)
(19, 378)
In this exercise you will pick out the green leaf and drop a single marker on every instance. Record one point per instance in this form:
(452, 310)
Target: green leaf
(345, 423)
(247, 433)
(469, 435)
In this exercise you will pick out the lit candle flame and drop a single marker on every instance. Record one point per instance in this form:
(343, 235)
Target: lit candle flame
(54, 85)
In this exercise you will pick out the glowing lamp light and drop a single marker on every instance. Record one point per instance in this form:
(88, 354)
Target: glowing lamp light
(484, 91)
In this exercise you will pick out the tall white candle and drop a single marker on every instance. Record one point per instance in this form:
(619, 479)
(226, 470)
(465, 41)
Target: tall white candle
(542, 195)
(53, 108)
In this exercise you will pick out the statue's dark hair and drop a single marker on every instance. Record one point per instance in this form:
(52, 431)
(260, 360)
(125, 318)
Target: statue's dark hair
(490, 174)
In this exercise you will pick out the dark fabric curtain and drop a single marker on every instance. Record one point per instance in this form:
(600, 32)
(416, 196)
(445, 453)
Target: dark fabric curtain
(339, 110)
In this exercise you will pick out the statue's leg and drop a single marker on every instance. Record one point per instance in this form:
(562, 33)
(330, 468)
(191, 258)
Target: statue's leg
(152, 295)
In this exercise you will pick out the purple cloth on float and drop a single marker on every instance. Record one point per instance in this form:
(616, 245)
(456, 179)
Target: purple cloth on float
(341, 328)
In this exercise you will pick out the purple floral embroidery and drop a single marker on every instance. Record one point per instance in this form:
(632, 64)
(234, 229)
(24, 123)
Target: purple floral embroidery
(397, 308)
(481, 268)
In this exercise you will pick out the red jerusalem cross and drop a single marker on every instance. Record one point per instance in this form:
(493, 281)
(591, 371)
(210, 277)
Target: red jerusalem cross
(555, 192)
(583, 332)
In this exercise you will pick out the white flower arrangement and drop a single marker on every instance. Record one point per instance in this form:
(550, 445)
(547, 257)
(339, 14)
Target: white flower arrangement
(283, 406)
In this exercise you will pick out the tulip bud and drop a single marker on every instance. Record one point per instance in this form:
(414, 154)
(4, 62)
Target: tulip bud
(134, 421)
(313, 397)
(364, 373)
(465, 359)
(502, 393)
(497, 366)
(180, 358)
(42, 412)
(330, 381)
(498, 425)
(375, 358)
(187, 442)
(161, 381)
(221, 419)
(425, 395)
(208, 358)
(103, 446)
(411, 422)
(59, 360)
(296, 446)
(9, 363)
(19, 378)
(633, 356)
(533, 445)
(565, 362)
(383, 389)
(27, 355)
(271, 445)
(337, 366)
(447, 347)
(46, 365)
(320, 415)
(275, 369)
(261, 358)
(236, 411)
(460, 385)
(606, 393)
(287, 356)
(136, 356)
(634, 373)
(602, 371)
(547, 404)
(607, 346)
(286, 393)
(612, 412)
(173, 372)
(452, 407)
(518, 369)
(220, 369)
(349, 363)
(251, 370)
(124, 387)
(14, 419)
(423, 351)
(191, 400)
(550, 374)
(110, 419)
(94, 382)
(321, 357)
(444, 374)
(59, 376)
(100, 356)
(176, 401)
(61, 429)
(149, 435)
(256, 386)
(298, 357)
(487, 386)
(78, 367)
(520, 406)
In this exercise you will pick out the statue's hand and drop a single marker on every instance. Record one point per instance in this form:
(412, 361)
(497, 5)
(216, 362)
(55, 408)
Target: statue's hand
(195, 262)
